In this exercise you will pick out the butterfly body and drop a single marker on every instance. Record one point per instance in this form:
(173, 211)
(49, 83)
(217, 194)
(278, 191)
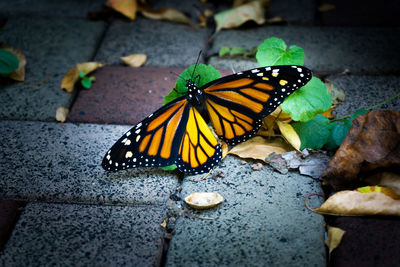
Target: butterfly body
(178, 132)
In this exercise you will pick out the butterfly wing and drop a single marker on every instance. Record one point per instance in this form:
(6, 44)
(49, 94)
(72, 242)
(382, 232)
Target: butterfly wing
(154, 141)
(199, 150)
(237, 103)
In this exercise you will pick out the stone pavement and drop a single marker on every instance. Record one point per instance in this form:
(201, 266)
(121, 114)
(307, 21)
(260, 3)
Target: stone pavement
(57, 205)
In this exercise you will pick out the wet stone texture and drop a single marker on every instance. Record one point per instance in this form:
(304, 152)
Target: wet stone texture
(262, 209)
(51, 46)
(56, 162)
(123, 95)
(81, 235)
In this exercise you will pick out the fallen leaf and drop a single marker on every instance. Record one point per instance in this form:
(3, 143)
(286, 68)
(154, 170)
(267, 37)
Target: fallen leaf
(224, 147)
(259, 147)
(62, 114)
(375, 201)
(235, 17)
(168, 14)
(128, 8)
(337, 94)
(289, 134)
(334, 238)
(276, 20)
(328, 113)
(372, 142)
(134, 60)
(203, 200)
(19, 73)
(324, 7)
(386, 179)
(73, 75)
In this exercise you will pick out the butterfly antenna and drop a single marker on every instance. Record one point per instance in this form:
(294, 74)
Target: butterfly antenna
(197, 62)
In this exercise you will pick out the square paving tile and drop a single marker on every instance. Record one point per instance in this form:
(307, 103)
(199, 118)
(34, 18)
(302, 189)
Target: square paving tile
(86, 235)
(51, 46)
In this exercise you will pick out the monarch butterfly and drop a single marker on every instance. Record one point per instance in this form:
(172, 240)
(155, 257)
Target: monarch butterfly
(178, 132)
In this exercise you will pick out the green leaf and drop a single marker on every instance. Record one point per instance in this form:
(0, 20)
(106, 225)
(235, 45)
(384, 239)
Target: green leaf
(359, 112)
(8, 62)
(82, 74)
(169, 168)
(308, 101)
(203, 74)
(313, 133)
(237, 51)
(223, 51)
(273, 52)
(339, 131)
(86, 82)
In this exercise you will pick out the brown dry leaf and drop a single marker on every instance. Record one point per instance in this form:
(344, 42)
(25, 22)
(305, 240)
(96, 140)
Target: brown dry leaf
(235, 17)
(204, 200)
(134, 60)
(168, 14)
(72, 76)
(18, 74)
(128, 8)
(224, 147)
(204, 16)
(289, 134)
(337, 94)
(386, 179)
(276, 20)
(62, 114)
(334, 238)
(324, 7)
(354, 203)
(372, 142)
(259, 148)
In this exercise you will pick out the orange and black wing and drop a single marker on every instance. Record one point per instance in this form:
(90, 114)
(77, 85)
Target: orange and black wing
(199, 150)
(237, 103)
(155, 141)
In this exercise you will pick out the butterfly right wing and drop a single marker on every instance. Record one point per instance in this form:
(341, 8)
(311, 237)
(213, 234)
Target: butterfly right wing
(155, 141)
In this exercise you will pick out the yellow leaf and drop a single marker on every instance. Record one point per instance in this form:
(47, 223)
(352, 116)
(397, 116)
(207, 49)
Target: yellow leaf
(289, 134)
(72, 76)
(19, 73)
(235, 17)
(334, 238)
(128, 8)
(259, 148)
(386, 179)
(268, 127)
(328, 113)
(61, 114)
(355, 203)
(203, 200)
(168, 14)
(134, 60)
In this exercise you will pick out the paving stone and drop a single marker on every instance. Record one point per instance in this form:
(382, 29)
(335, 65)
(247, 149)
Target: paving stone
(164, 43)
(61, 163)
(49, 8)
(262, 222)
(51, 46)
(368, 241)
(123, 95)
(86, 235)
(365, 91)
(327, 49)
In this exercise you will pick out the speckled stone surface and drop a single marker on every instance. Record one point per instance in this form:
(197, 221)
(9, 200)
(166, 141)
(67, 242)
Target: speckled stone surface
(85, 235)
(49, 8)
(262, 222)
(55, 162)
(365, 91)
(123, 95)
(51, 46)
(327, 49)
(164, 43)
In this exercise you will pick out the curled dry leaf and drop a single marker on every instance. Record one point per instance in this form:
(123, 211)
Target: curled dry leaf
(324, 7)
(168, 14)
(61, 114)
(19, 73)
(372, 142)
(289, 134)
(260, 148)
(134, 60)
(128, 8)
(386, 179)
(203, 200)
(334, 238)
(72, 76)
(235, 17)
(370, 200)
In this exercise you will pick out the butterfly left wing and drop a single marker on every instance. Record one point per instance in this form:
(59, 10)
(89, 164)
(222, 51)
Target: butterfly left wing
(199, 151)
(237, 103)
